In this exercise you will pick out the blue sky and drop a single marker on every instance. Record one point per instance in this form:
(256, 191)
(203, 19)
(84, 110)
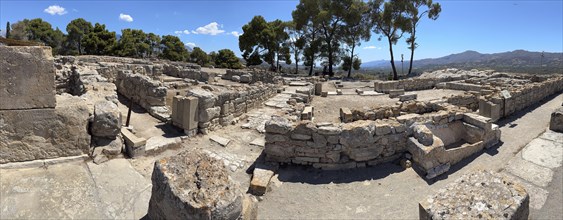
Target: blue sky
(483, 26)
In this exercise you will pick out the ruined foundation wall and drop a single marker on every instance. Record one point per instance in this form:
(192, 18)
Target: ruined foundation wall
(253, 75)
(34, 123)
(341, 146)
(496, 107)
(221, 108)
(411, 84)
(142, 89)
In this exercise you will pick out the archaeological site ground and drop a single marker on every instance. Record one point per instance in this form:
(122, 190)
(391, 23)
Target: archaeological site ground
(102, 137)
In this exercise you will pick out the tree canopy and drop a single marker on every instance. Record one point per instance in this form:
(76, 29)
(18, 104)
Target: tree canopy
(264, 40)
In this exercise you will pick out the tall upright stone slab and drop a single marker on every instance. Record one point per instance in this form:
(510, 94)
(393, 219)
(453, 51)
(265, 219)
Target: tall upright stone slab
(185, 113)
(27, 78)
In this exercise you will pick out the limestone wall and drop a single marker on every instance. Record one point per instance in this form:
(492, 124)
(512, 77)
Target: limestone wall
(34, 123)
(411, 84)
(467, 100)
(403, 108)
(252, 76)
(496, 107)
(220, 106)
(340, 146)
(142, 89)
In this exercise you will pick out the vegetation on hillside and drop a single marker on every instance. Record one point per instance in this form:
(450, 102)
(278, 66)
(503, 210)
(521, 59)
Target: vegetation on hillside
(83, 38)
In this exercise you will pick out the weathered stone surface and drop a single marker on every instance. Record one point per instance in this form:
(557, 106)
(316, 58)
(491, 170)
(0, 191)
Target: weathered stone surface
(220, 140)
(556, 122)
(481, 194)
(346, 115)
(260, 180)
(27, 78)
(45, 133)
(278, 125)
(246, 78)
(423, 135)
(192, 185)
(134, 146)
(543, 152)
(107, 120)
(407, 97)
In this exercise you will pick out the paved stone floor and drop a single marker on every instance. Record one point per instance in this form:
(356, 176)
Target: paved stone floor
(121, 187)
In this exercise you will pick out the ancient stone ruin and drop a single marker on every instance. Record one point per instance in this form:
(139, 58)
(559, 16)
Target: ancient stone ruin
(221, 143)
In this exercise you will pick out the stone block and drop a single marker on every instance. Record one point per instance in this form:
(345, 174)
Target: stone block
(27, 78)
(220, 140)
(339, 92)
(407, 97)
(556, 122)
(246, 78)
(318, 89)
(346, 115)
(307, 113)
(193, 185)
(45, 133)
(489, 109)
(185, 112)
(499, 196)
(278, 125)
(107, 120)
(394, 93)
(324, 94)
(478, 120)
(134, 146)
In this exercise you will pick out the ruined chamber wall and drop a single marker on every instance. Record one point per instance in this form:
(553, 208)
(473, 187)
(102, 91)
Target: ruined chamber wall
(496, 106)
(142, 89)
(220, 106)
(34, 123)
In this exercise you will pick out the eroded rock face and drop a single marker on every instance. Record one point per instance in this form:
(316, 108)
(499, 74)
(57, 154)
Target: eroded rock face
(45, 133)
(193, 185)
(107, 120)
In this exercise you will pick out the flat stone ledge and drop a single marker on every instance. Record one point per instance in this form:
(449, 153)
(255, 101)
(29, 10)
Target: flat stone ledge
(479, 194)
(42, 163)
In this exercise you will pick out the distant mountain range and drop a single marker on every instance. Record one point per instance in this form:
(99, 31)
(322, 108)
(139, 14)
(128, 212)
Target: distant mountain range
(518, 60)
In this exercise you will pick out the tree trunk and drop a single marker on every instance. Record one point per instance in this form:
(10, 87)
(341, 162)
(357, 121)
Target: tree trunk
(330, 73)
(412, 49)
(80, 46)
(395, 77)
(296, 64)
(312, 65)
(351, 62)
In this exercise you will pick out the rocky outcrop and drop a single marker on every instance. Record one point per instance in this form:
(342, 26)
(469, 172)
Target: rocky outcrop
(192, 185)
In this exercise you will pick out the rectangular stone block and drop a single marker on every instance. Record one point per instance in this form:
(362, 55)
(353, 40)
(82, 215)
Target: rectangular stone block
(318, 88)
(346, 115)
(478, 120)
(407, 97)
(27, 78)
(307, 113)
(134, 146)
(394, 93)
(184, 112)
(34, 134)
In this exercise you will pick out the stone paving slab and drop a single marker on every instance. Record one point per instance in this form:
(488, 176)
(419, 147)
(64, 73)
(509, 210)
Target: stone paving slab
(76, 190)
(60, 191)
(123, 192)
(529, 171)
(538, 196)
(553, 136)
(543, 152)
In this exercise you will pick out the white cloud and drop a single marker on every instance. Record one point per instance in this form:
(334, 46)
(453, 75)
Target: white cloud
(55, 10)
(372, 48)
(125, 17)
(210, 29)
(182, 32)
(190, 44)
(235, 33)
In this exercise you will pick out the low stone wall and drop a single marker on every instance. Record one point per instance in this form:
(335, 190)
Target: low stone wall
(332, 147)
(467, 100)
(142, 89)
(496, 107)
(411, 84)
(252, 75)
(220, 106)
(403, 108)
